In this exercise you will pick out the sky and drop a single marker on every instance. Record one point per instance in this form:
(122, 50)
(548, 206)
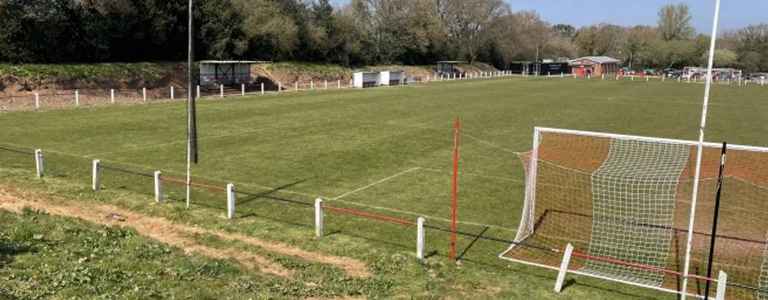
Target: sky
(735, 14)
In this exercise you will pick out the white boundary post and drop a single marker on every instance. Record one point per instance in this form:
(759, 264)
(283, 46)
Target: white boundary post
(700, 149)
(563, 268)
(77, 98)
(312, 84)
(722, 284)
(112, 96)
(172, 93)
(326, 84)
(296, 86)
(39, 163)
(37, 101)
(319, 217)
(262, 88)
(230, 201)
(221, 91)
(420, 238)
(242, 89)
(95, 175)
(338, 84)
(279, 87)
(144, 94)
(158, 187)
(198, 92)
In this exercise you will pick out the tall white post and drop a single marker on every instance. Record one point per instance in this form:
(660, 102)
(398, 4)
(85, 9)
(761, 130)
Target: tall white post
(338, 84)
(39, 163)
(77, 98)
(242, 89)
(198, 92)
(112, 95)
(262, 88)
(420, 238)
(279, 87)
(144, 94)
(563, 268)
(95, 174)
(722, 284)
(319, 217)
(37, 101)
(172, 93)
(221, 91)
(296, 86)
(158, 187)
(700, 149)
(230, 201)
(311, 84)
(326, 84)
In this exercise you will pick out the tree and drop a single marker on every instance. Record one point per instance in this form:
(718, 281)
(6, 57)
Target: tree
(565, 30)
(639, 40)
(752, 48)
(675, 22)
(601, 39)
(270, 33)
(468, 23)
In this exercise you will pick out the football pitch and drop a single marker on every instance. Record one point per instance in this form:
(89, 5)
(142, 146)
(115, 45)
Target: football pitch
(386, 151)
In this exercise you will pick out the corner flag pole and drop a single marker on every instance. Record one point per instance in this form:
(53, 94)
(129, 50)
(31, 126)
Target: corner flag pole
(700, 150)
(191, 119)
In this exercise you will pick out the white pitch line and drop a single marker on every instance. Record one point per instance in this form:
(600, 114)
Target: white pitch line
(375, 183)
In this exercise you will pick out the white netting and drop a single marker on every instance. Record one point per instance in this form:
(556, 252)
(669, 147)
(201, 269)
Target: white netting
(627, 200)
(762, 294)
(633, 195)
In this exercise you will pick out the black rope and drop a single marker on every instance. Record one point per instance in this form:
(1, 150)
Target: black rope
(121, 170)
(16, 150)
(266, 195)
(488, 238)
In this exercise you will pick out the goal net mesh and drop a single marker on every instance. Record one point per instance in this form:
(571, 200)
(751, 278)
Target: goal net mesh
(628, 199)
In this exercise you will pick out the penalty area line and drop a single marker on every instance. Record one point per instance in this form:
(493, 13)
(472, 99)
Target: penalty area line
(360, 189)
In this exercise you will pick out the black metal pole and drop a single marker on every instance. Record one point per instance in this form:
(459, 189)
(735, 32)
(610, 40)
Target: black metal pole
(714, 220)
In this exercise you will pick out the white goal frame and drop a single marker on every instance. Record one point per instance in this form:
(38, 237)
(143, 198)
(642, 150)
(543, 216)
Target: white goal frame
(530, 192)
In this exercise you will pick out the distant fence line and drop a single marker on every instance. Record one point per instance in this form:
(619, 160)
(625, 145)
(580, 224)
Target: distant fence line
(58, 99)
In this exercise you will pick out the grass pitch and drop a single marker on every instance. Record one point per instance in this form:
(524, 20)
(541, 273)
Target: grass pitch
(384, 150)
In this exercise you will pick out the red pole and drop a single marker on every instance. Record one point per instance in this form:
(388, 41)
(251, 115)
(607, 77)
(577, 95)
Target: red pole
(455, 187)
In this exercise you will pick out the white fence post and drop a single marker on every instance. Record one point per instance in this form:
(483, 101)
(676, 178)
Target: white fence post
(95, 174)
(230, 201)
(77, 98)
(262, 88)
(722, 284)
(242, 89)
(37, 101)
(172, 94)
(326, 84)
(420, 238)
(39, 163)
(279, 86)
(198, 92)
(112, 95)
(158, 187)
(221, 91)
(338, 84)
(563, 268)
(296, 86)
(311, 84)
(319, 217)
(144, 94)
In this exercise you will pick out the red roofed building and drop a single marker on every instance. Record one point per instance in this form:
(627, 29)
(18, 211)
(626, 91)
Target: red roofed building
(594, 66)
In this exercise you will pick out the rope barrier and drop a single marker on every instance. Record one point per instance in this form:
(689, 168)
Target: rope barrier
(121, 170)
(180, 181)
(373, 216)
(266, 196)
(16, 150)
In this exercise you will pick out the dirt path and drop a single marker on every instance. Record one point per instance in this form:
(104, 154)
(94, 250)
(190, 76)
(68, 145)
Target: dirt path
(177, 235)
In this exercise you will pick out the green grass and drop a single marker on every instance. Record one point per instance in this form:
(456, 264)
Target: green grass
(87, 72)
(301, 146)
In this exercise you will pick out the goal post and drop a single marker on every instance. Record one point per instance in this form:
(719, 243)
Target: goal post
(624, 204)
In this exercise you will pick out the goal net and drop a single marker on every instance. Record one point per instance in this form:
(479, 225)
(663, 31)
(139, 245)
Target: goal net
(624, 203)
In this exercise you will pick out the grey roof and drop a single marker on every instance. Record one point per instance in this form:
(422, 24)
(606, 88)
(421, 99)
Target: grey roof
(598, 59)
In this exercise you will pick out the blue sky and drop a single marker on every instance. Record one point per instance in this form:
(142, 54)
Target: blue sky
(735, 13)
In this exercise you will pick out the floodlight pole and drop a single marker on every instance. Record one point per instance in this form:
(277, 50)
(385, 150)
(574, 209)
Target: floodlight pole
(700, 150)
(190, 108)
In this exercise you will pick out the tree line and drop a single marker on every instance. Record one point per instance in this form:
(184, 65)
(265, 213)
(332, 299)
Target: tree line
(362, 32)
